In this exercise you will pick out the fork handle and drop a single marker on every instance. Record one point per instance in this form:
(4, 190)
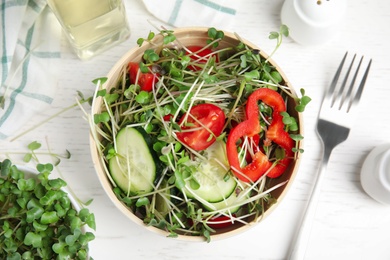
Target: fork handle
(301, 239)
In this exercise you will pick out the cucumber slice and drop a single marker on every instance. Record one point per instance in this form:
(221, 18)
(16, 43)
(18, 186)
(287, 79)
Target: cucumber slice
(210, 175)
(163, 198)
(135, 167)
(231, 204)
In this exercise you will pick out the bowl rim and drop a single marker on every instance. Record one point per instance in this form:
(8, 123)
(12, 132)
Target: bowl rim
(106, 184)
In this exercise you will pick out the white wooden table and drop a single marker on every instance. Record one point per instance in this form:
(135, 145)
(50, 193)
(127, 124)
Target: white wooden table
(348, 224)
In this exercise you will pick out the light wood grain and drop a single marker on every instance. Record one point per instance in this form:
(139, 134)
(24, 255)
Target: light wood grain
(348, 224)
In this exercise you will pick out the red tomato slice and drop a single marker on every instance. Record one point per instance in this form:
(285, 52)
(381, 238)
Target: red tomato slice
(203, 53)
(219, 222)
(145, 80)
(167, 117)
(208, 118)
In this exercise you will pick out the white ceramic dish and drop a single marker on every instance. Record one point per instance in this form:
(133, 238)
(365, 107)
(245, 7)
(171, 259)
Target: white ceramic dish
(375, 174)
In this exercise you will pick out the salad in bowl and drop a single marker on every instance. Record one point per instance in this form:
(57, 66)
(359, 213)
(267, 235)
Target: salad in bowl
(196, 133)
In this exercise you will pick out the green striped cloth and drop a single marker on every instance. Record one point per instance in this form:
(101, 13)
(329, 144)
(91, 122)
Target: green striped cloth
(30, 53)
(187, 13)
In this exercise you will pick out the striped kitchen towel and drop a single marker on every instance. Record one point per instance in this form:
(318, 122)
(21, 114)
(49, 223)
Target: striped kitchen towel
(187, 13)
(30, 53)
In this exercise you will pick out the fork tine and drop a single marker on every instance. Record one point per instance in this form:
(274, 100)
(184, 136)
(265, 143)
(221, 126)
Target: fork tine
(333, 84)
(355, 100)
(347, 93)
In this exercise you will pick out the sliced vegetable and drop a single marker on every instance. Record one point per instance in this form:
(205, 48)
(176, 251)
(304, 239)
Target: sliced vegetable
(163, 199)
(135, 166)
(220, 222)
(201, 126)
(200, 55)
(146, 81)
(211, 175)
(230, 205)
(260, 163)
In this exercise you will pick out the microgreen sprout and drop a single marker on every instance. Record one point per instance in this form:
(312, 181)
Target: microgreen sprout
(38, 220)
(303, 101)
(81, 100)
(283, 32)
(150, 37)
(184, 81)
(215, 35)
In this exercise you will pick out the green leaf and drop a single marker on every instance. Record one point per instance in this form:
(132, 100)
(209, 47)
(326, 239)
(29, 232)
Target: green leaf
(8, 233)
(34, 145)
(273, 35)
(51, 196)
(143, 201)
(296, 150)
(302, 102)
(101, 93)
(48, 167)
(207, 235)
(212, 32)
(49, 217)
(91, 221)
(5, 167)
(70, 240)
(305, 100)
(111, 98)
(75, 223)
(296, 137)
(59, 247)
(179, 180)
(143, 97)
(33, 239)
(151, 56)
(280, 153)
(101, 118)
(169, 38)
(101, 80)
(39, 227)
(22, 184)
(284, 30)
(57, 184)
(151, 35)
(27, 157)
(22, 202)
(143, 67)
(34, 213)
(254, 74)
(243, 63)
(183, 160)
(185, 60)
(140, 41)
(276, 76)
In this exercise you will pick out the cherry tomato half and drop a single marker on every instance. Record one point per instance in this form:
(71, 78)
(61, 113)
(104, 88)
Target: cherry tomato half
(202, 53)
(208, 123)
(145, 80)
(219, 222)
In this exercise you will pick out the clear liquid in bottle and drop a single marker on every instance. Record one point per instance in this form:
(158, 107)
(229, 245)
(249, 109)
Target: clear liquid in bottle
(91, 26)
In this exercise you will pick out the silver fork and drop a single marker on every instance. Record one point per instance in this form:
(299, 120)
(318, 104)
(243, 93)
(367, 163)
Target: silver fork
(334, 123)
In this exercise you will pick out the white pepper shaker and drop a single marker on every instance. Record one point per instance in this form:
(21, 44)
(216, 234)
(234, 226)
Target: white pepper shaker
(313, 22)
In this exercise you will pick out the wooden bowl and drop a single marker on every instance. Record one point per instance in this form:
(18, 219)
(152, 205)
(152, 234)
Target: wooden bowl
(187, 37)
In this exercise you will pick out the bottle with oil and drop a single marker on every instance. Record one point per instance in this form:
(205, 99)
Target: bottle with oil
(91, 26)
